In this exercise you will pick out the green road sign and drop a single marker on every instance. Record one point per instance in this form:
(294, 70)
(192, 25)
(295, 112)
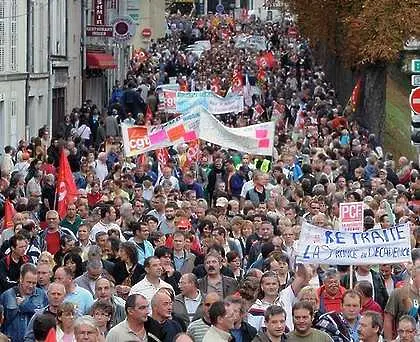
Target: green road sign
(415, 65)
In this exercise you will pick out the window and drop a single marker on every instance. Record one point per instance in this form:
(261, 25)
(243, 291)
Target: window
(13, 35)
(2, 35)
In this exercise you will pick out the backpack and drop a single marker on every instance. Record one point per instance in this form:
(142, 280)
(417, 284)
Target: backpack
(334, 325)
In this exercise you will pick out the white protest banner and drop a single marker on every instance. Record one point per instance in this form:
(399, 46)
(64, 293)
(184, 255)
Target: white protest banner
(210, 101)
(206, 44)
(376, 246)
(351, 217)
(223, 105)
(256, 139)
(141, 139)
(258, 43)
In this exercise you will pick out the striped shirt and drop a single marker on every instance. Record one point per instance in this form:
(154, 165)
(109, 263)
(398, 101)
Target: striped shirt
(198, 329)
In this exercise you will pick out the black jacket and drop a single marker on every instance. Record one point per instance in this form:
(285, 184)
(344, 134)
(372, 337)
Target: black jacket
(248, 332)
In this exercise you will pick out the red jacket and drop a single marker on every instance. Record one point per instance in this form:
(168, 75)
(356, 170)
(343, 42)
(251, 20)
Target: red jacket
(371, 305)
(328, 303)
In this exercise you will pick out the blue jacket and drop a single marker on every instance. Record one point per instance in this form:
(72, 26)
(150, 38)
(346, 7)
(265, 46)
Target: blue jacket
(16, 316)
(143, 254)
(236, 184)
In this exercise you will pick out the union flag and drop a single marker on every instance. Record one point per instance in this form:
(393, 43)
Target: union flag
(66, 187)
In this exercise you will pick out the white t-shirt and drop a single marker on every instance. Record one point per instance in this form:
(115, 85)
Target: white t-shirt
(286, 299)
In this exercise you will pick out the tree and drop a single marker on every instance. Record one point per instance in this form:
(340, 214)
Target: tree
(359, 38)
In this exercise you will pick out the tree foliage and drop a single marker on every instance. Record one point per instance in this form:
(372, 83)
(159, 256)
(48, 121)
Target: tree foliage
(359, 31)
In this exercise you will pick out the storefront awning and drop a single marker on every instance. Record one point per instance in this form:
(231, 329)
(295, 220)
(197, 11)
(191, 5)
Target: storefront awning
(96, 60)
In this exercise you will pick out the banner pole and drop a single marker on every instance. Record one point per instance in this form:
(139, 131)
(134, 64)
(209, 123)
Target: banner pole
(351, 276)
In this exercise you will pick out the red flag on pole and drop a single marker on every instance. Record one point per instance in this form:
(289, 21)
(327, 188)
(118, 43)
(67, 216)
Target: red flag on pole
(183, 85)
(9, 212)
(52, 336)
(162, 156)
(261, 75)
(142, 159)
(193, 151)
(215, 85)
(66, 187)
(237, 82)
(149, 114)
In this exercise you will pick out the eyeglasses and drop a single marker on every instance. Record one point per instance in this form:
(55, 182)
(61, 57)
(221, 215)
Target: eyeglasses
(402, 332)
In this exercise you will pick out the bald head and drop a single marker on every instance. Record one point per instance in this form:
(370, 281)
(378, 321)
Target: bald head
(56, 294)
(56, 287)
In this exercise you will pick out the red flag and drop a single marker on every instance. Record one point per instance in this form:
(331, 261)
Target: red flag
(66, 187)
(142, 159)
(258, 111)
(237, 81)
(149, 114)
(278, 110)
(261, 75)
(52, 336)
(9, 212)
(162, 156)
(215, 85)
(300, 119)
(193, 151)
(183, 85)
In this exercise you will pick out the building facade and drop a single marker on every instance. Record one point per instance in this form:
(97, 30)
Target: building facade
(13, 76)
(40, 65)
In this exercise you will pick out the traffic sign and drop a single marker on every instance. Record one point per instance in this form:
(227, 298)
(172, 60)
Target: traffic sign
(220, 8)
(415, 80)
(415, 100)
(415, 65)
(146, 32)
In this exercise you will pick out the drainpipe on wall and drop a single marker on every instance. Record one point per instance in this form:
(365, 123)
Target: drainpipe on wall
(50, 75)
(29, 10)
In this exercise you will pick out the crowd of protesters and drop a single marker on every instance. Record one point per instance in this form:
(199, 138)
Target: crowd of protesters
(204, 249)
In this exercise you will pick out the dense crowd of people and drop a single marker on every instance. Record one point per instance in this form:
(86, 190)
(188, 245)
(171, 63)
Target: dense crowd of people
(204, 249)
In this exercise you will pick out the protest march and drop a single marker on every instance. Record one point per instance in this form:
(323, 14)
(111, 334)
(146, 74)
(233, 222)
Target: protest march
(223, 193)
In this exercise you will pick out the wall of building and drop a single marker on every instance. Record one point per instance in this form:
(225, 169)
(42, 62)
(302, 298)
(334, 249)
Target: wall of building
(12, 71)
(151, 15)
(74, 55)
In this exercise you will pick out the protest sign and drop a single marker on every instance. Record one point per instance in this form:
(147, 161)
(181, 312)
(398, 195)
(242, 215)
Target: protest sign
(376, 246)
(205, 44)
(258, 43)
(169, 100)
(141, 139)
(351, 216)
(160, 91)
(210, 101)
(256, 139)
